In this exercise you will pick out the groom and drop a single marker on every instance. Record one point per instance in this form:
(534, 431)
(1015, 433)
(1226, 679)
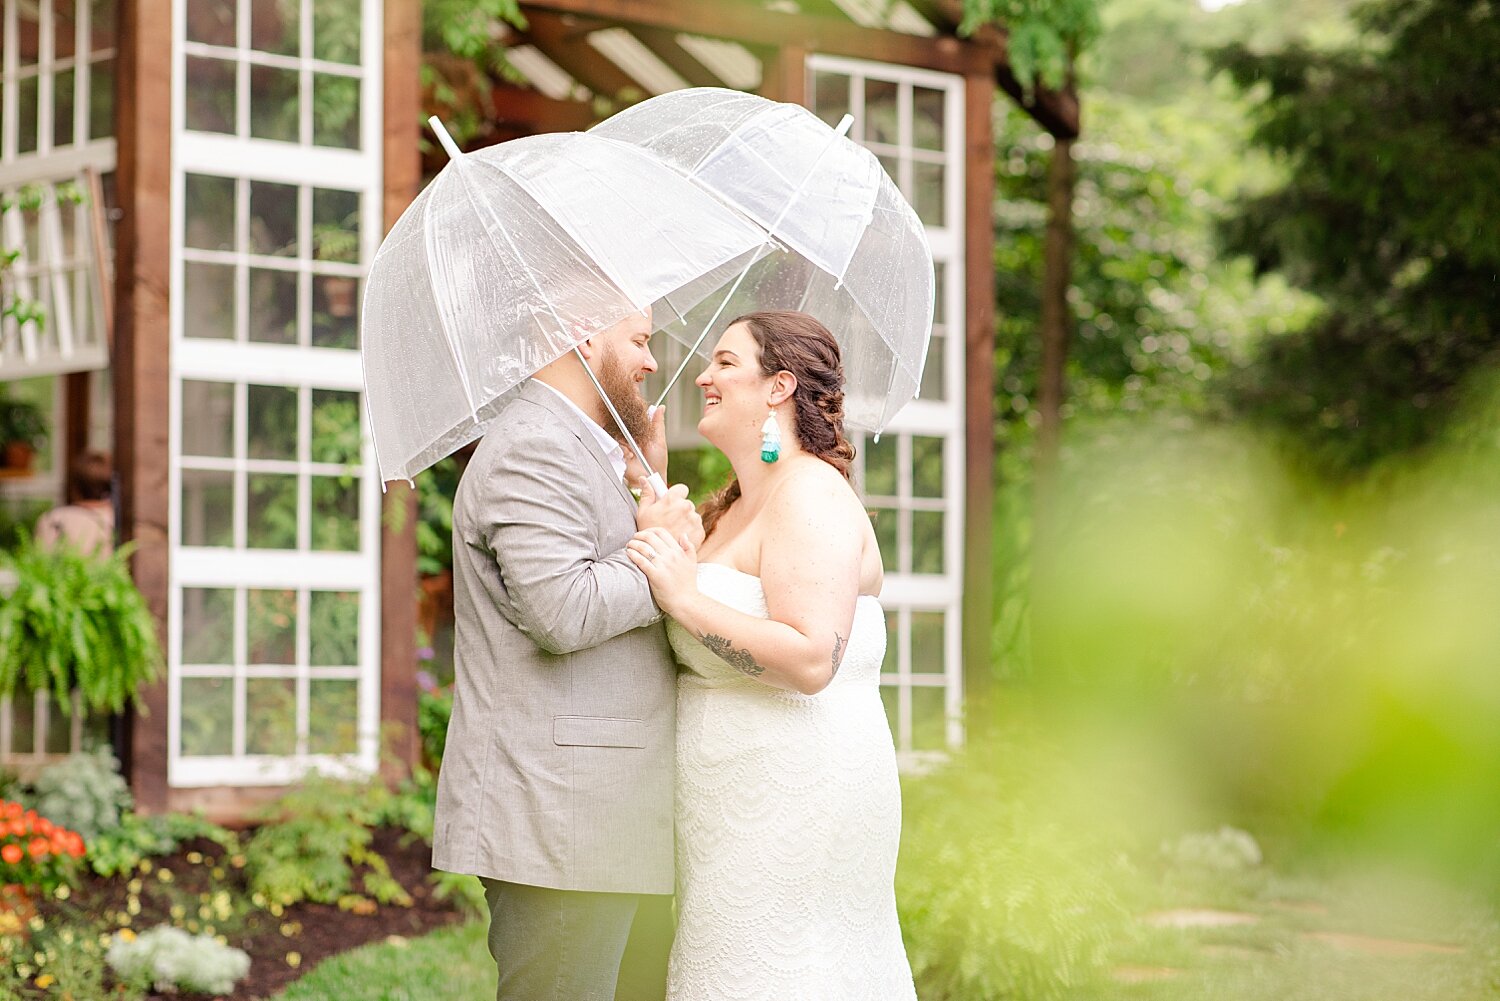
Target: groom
(556, 782)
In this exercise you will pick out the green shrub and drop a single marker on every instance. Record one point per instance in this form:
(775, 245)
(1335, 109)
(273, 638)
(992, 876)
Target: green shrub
(316, 836)
(434, 710)
(136, 837)
(1002, 899)
(76, 621)
(84, 791)
(170, 959)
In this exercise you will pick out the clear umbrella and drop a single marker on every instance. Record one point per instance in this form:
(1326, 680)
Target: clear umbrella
(509, 259)
(856, 255)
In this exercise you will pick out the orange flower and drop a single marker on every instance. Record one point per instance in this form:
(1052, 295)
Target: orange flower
(44, 826)
(11, 853)
(38, 848)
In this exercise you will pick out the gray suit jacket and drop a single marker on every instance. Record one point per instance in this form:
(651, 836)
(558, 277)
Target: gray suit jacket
(558, 769)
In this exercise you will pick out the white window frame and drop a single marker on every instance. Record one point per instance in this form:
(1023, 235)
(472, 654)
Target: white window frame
(905, 593)
(305, 368)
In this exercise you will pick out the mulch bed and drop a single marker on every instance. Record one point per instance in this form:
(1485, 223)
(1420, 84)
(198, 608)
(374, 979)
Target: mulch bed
(307, 932)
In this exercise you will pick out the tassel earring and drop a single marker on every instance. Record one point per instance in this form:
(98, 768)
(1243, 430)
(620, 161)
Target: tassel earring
(770, 439)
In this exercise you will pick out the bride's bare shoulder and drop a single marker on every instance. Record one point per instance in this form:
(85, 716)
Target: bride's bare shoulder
(814, 488)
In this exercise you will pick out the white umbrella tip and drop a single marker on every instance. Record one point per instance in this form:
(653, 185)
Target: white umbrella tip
(443, 137)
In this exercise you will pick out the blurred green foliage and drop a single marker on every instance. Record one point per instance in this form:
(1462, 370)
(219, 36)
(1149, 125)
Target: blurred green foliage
(1386, 208)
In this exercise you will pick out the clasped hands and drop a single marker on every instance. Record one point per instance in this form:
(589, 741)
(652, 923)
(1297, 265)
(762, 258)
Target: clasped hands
(665, 545)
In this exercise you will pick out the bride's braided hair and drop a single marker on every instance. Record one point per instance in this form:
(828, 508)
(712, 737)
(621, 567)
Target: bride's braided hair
(797, 343)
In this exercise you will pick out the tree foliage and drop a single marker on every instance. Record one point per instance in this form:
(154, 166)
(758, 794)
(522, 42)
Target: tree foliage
(1044, 37)
(1387, 211)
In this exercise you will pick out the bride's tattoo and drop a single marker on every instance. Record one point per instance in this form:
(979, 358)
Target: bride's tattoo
(838, 650)
(740, 660)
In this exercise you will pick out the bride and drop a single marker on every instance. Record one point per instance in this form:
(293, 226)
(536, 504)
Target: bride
(788, 806)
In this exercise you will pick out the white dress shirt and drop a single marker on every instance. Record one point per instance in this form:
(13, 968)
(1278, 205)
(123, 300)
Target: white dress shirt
(612, 450)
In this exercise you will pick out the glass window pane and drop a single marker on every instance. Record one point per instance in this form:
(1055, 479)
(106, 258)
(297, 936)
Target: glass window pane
(830, 94)
(274, 26)
(926, 466)
(102, 24)
(23, 722)
(64, 30)
(209, 207)
(880, 466)
(892, 661)
(927, 642)
(929, 731)
(208, 418)
(940, 292)
(26, 122)
(270, 716)
(271, 626)
(271, 419)
(333, 716)
(892, 166)
(271, 511)
(273, 113)
(336, 28)
(335, 318)
(934, 379)
(929, 198)
(207, 508)
(273, 306)
(336, 426)
(335, 513)
(927, 542)
(885, 520)
(927, 118)
(208, 626)
(336, 111)
(211, 21)
(59, 729)
(63, 85)
(890, 697)
(881, 122)
(273, 219)
(333, 628)
(210, 95)
(28, 33)
(207, 716)
(336, 225)
(208, 307)
(102, 99)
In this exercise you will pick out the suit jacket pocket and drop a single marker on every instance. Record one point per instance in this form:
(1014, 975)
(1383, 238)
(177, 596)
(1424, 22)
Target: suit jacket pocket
(598, 731)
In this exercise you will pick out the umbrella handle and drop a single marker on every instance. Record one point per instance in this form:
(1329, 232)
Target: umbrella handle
(657, 484)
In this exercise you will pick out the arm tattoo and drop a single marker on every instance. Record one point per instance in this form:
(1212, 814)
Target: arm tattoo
(838, 650)
(740, 660)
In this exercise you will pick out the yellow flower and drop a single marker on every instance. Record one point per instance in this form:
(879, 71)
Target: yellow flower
(294, 959)
(63, 892)
(45, 980)
(126, 935)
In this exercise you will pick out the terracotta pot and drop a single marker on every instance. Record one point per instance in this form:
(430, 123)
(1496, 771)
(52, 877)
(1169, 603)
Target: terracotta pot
(18, 455)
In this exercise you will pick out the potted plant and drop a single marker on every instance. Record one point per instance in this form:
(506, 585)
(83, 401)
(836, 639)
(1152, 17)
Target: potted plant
(76, 622)
(23, 432)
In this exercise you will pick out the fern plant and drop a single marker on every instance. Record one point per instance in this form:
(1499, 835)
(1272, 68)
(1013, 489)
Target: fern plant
(76, 622)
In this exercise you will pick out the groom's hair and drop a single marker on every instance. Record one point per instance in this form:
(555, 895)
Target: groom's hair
(795, 342)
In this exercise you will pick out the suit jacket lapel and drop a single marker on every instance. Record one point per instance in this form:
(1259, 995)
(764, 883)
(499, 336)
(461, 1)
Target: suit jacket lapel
(544, 397)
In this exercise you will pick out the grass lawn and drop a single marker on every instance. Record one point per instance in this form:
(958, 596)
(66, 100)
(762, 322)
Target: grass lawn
(451, 964)
(1251, 936)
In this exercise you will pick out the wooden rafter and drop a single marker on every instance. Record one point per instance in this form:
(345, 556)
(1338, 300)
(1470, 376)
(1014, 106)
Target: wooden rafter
(564, 40)
(664, 45)
(750, 25)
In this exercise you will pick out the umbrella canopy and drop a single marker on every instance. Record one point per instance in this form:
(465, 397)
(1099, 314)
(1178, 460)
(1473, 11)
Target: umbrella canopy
(510, 258)
(858, 257)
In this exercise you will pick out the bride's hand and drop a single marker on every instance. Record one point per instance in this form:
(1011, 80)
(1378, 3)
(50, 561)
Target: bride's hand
(670, 565)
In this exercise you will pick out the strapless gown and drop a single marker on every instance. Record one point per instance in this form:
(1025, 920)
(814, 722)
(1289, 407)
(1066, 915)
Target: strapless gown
(788, 824)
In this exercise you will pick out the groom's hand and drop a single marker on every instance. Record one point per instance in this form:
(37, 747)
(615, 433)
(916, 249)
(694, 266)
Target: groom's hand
(674, 512)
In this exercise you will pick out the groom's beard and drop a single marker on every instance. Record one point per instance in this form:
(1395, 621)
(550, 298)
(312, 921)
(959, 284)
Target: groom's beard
(624, 393)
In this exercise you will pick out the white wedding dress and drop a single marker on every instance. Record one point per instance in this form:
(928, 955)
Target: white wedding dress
(788, 823)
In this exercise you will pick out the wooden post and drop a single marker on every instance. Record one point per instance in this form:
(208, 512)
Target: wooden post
(1057, 261)
(142, 380)
(76, 417)
(979, 391)
(784, 76)
(402, 168)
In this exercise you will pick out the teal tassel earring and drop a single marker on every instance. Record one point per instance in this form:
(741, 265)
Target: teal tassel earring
(770, 439)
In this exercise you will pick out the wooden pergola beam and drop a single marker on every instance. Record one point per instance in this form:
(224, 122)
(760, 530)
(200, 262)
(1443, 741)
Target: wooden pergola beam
(664, 45)
(564, 40)
(985, 51)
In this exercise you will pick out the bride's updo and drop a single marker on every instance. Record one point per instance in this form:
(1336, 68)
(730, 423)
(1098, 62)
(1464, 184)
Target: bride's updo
(797, 343)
